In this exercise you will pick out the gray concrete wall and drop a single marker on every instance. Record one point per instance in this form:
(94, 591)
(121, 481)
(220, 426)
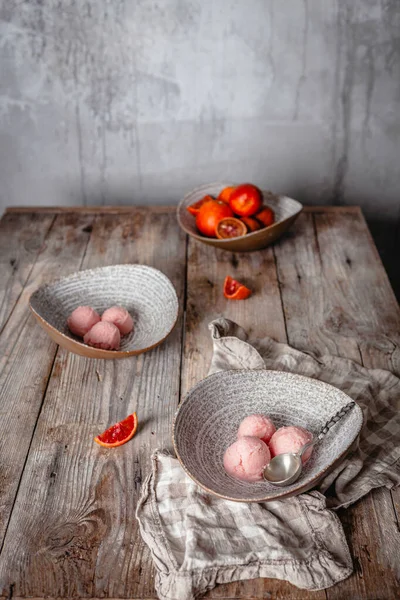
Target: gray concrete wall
(137, 101)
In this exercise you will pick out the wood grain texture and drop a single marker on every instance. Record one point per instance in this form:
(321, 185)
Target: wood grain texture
(27, 354)
(370, 314)
(72, 531)
(362, 304)
(263, 589)
(312, 316)
(82, 539)
(21, 239)
(329, 309)
(371, 305)
(260, 315)
(332, 209)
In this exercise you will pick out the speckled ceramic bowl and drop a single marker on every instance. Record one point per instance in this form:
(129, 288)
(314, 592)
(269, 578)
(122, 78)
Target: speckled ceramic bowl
(207, 422)
(146, 293)
(286, 212)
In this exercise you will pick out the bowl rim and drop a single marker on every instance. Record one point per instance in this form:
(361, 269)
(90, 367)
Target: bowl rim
(99, 351)
(248, 236)
(280, 492)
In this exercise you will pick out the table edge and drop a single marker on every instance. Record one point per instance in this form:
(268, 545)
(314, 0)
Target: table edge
(157, 208)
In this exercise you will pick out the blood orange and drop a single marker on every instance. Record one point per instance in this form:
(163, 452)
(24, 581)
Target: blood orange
(194, 208)
(245, 200)
(225, 194)
(266, 216)
(210, 214)
(118, 434)
(251, 223)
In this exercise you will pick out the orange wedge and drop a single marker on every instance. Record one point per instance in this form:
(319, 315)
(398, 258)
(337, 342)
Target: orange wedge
(233, 290)
(118, 434)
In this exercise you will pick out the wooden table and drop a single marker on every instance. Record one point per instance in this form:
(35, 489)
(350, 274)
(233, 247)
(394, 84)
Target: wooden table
(67, 506)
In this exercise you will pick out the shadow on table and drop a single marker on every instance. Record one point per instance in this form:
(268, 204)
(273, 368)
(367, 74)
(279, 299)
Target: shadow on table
(386, 234)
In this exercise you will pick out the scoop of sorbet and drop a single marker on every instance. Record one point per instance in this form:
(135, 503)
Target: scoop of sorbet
(82, 319)
(258, 426)
(120, 317)
(247, 458)
(290, 439)
(103, 335)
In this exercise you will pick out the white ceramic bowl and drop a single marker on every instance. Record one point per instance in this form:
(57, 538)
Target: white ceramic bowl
(207, 422)
(145, 292)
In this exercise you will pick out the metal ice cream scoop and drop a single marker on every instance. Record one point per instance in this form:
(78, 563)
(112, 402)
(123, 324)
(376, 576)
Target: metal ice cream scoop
(284, 469)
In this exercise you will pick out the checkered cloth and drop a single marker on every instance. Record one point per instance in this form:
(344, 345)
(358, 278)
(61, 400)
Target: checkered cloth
(198, 540)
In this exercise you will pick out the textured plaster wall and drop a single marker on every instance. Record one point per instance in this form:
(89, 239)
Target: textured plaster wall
(137, 101)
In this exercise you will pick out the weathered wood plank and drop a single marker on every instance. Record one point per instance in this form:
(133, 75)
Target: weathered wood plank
(332, 209)
(82, 538)
(21, 239)
(27, 354)
(260, 315)
(373, 539)
(260, 589)
(361, 301)
(327, 309)
(377, 320)
(311, 314)
(373, 318)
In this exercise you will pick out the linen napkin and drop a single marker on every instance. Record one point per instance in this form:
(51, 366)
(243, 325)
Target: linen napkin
(197, 540)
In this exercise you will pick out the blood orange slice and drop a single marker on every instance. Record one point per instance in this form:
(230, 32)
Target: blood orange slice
(230, 227)
(118, 434)
(233, 290)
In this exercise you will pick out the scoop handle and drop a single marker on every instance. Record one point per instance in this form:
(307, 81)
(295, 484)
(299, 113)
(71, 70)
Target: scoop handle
(339, 415)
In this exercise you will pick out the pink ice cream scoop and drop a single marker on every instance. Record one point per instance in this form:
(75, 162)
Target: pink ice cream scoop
(120, 317)
(290, 439)
(247, 458)
(103, 335)
(82, 319)
(258, 426)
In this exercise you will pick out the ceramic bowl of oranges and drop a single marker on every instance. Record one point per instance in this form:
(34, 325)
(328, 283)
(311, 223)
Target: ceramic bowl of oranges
(239, 218)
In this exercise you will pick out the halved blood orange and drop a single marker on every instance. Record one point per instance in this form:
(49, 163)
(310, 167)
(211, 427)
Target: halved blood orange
(118, 434)
(194, 208)
(225, 194)
(230, 227)
(233, 290)
(251, 223)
